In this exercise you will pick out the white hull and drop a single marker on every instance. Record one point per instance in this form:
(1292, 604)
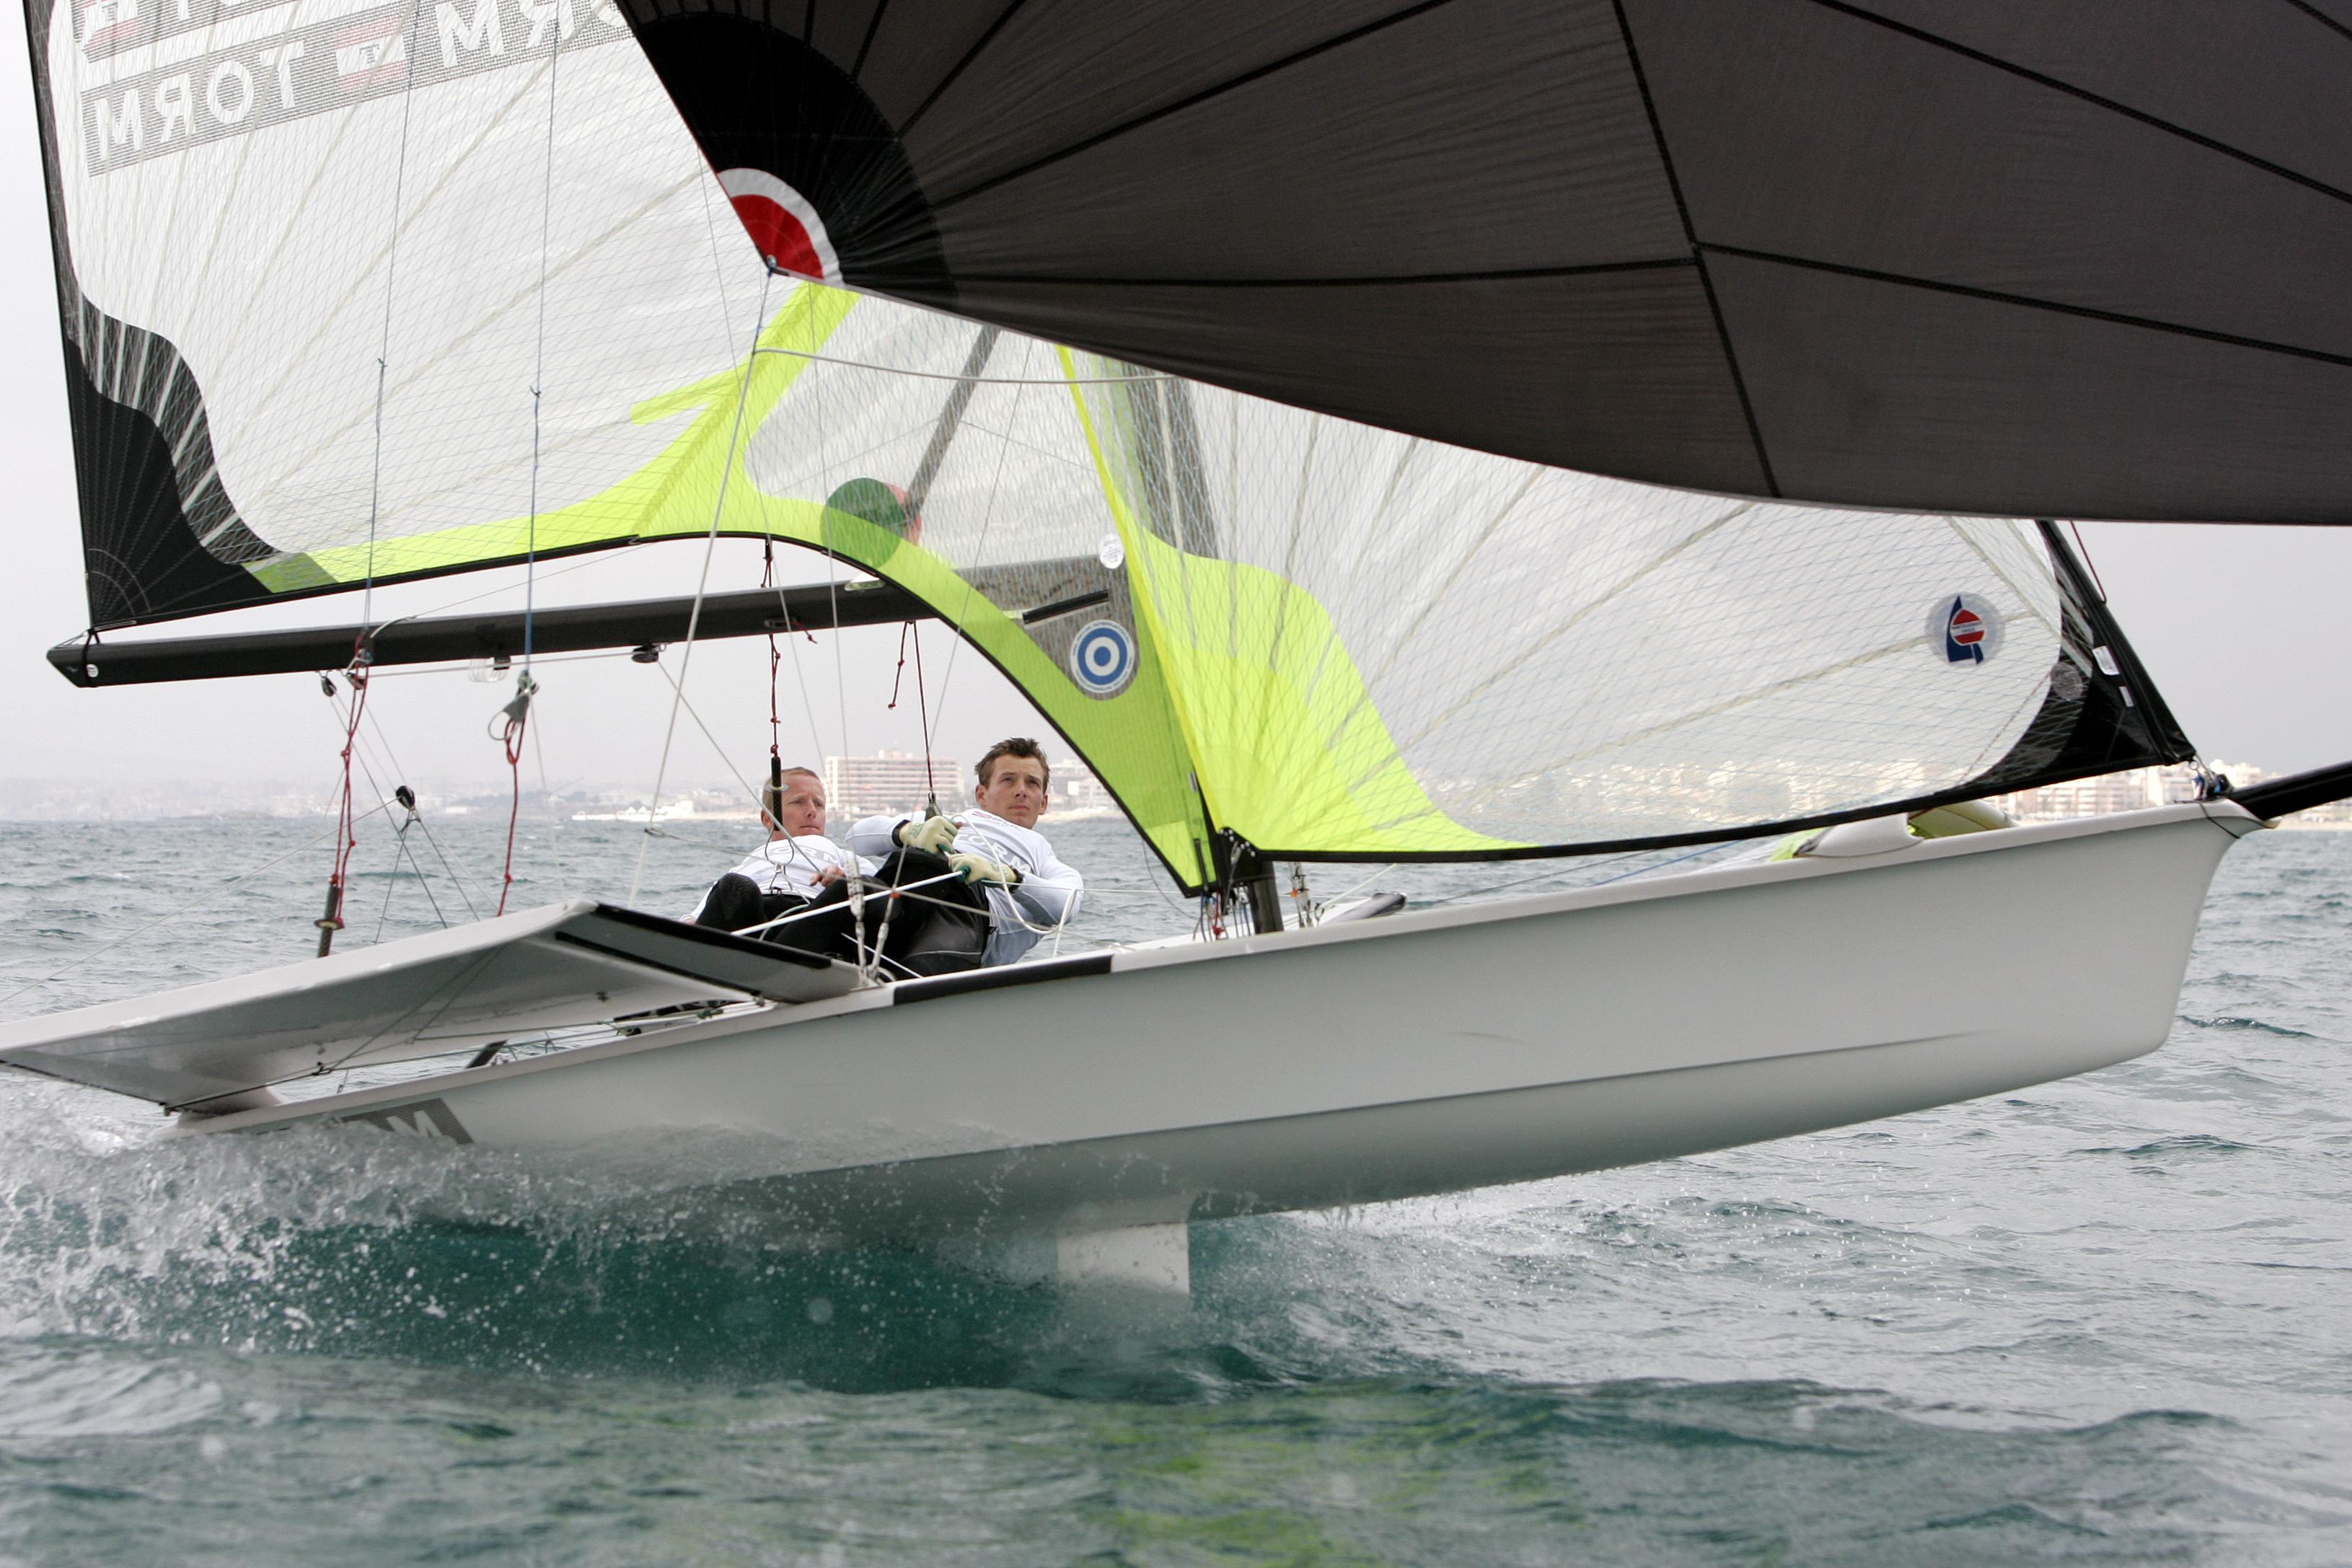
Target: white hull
(1424, 1053)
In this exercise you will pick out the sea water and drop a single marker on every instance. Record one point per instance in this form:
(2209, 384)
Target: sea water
(2104, 1320)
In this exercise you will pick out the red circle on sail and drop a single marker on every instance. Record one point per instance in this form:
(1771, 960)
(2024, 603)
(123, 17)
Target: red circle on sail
(1966, 628)
(781, 236)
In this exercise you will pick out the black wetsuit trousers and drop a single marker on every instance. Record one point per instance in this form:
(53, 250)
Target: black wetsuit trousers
(939, 930)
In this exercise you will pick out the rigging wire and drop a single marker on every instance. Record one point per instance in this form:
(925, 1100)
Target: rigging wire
(400, 852)
(732, 851)
(980, 551)
(517, 719)
(856, 881)
(970, 380)
(784, 615)
(547, 799)
(394, 768)
(538, 362)
(923, 707)
(702, 587)
(383, 349)
(930, 779)
(695, 714)
(775, 671)
(347, 834)
(397, 773)
(331, 920)
(2084, 552)
(448, 668)
(517, 713)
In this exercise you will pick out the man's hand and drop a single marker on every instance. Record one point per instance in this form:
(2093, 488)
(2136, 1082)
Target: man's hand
(933, 835)
(981, 869)
(827, 875)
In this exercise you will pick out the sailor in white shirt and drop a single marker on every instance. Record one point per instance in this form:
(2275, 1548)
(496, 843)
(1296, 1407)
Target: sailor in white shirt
(797, 863)
(996, 847)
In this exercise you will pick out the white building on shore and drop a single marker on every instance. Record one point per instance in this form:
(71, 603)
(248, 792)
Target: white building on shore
(2142, 787)
(1078, 795)
(894, 781)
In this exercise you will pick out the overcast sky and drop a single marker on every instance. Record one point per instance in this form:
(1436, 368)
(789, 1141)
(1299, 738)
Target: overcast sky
(2244, 629)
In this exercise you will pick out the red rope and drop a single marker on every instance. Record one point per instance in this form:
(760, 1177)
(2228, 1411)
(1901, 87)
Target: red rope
(923, 707)
(346, 835)
(901, 673)
(516, 722)
(775, 659)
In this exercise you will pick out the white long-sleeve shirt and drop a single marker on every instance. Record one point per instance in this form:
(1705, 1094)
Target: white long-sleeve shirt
(1049, 890)
(792, 865)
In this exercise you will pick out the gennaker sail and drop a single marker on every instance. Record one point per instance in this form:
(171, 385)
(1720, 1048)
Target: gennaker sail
(366, 293)
(2007, 258)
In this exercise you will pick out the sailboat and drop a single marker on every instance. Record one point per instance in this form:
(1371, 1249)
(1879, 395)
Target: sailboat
(1376, 520)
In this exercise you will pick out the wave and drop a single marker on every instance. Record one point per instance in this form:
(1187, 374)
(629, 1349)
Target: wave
(2187, 1143)
(2256, 1025)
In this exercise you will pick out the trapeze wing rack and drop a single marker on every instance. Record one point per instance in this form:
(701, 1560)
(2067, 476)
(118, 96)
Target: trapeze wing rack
(438, 639)
(445, 992)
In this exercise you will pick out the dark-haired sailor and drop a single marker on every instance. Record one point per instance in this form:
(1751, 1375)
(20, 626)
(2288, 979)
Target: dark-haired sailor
(797, 863)
(994, 847)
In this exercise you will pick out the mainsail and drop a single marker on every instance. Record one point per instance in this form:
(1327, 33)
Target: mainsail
(355, 293)
(2005, 257)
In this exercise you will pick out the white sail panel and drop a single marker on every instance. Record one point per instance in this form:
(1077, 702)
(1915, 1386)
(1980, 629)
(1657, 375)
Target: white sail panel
(339, 214)
(1378, 643)
(1545, 658)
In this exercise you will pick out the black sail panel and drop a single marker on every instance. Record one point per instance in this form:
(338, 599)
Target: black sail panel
(2001, 258)
(2102, 714)
(141, 556)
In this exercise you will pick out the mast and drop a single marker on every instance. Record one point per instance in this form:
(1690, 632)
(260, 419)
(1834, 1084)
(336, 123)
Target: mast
(918, 488)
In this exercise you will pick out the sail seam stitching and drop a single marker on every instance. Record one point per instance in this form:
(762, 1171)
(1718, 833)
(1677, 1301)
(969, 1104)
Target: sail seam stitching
(2026, 73)
(1179, 107)
(1496, 275)
(2093, 312)
(2324, 20)
(1690, 233)
(949, 79)
(873, 27)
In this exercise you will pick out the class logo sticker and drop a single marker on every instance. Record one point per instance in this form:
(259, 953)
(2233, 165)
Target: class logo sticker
(1965, 628)
(1102, 658)
(427, 1119)
(783, 223)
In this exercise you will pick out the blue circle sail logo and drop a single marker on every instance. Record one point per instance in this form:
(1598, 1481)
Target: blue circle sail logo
(1964, 628)
(1102, 658)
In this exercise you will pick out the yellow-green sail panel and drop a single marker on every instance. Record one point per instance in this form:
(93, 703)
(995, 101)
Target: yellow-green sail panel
(1130, 738)
(1290, 751)
(676, 495)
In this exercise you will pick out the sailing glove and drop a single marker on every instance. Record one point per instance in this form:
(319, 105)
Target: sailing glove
(981, 869)
(933, 835)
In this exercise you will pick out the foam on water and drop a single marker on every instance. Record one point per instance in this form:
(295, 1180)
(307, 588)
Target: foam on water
(2099, 1321)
